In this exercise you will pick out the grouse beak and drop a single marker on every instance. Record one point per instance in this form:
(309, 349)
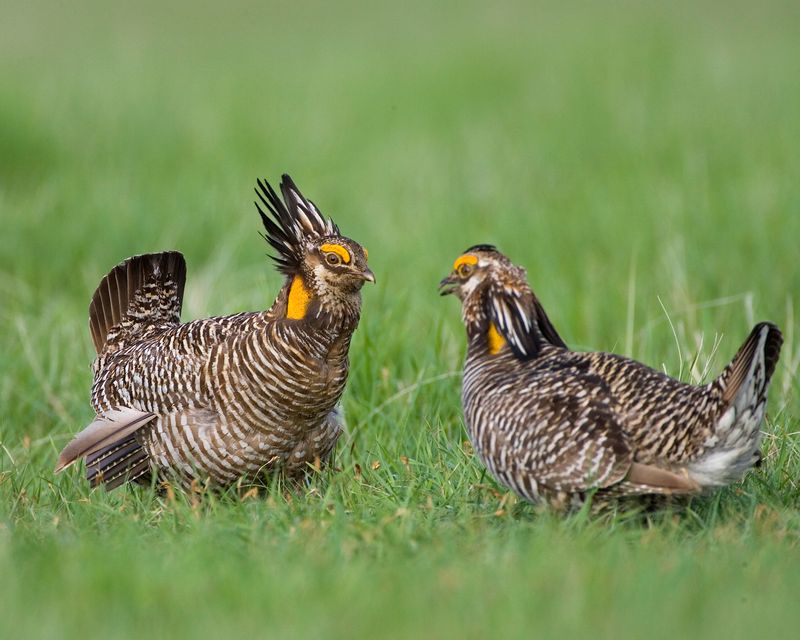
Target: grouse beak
(447, 286)
(368, 275)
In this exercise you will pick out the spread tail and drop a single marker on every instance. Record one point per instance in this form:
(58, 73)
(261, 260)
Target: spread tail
(142, 290)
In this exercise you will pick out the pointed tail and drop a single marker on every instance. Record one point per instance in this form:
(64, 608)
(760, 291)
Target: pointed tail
(734, 445)
(749, 373)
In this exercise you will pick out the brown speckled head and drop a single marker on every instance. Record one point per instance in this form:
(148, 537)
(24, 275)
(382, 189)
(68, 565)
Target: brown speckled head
(496, 301)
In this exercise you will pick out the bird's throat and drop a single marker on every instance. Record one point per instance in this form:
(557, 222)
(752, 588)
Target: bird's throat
(299, 299)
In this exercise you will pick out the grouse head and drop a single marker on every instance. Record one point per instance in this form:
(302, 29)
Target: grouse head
(498, 306)
(325, 270)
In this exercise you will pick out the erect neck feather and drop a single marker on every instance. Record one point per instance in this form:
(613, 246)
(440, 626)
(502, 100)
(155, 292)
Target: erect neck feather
(506, 319)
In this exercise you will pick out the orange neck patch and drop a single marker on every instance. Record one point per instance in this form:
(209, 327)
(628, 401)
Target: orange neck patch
(465, 259)
(299, 299)
(339, 250)
(495, 339)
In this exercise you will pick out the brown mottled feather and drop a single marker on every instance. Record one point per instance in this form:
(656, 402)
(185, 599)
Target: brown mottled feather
(554, 424)
(227, 397)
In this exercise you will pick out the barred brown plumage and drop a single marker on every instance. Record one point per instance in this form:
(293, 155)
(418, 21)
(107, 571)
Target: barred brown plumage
(224, 397)
(556, 425)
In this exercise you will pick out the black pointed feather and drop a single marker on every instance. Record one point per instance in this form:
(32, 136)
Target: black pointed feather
(305, 214)
(507, 312)
(289, 222)
(522, 321)
(546, 327)
(482, 247)
(281, 233)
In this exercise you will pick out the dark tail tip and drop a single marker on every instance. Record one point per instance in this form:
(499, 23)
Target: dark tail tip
(738, 370)
(772, 346)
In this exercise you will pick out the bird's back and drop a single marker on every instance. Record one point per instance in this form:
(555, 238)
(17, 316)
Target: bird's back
(663, 418)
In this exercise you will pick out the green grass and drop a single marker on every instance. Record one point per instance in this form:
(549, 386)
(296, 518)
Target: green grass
(639, 158)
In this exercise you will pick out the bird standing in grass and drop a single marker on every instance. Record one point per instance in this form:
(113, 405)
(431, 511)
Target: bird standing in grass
(556, 425)
(223, 398)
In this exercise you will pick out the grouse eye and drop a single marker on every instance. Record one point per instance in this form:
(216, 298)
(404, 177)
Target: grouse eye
(465, 270)
(332, 259)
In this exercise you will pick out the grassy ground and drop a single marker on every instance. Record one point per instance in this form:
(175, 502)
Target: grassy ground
(640, 159)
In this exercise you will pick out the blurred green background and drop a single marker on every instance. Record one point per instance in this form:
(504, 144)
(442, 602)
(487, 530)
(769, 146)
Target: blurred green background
(638, 158)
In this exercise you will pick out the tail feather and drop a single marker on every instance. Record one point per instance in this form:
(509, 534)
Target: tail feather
(124, 461)
(765, 341)
(733, 447)
(103, 436)
(661, 480)
(146, 288)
